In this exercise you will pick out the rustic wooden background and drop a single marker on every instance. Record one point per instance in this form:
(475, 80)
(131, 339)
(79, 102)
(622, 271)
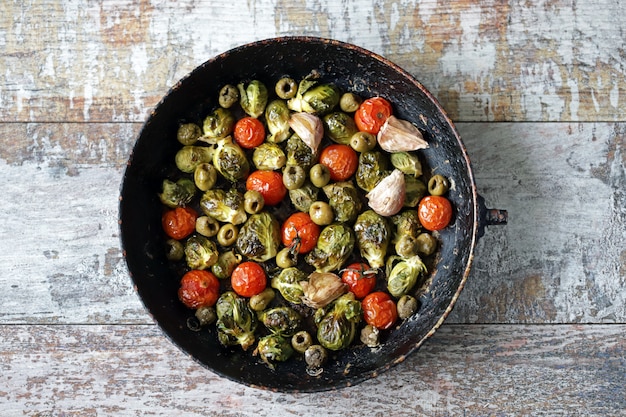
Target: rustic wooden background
(538, 92)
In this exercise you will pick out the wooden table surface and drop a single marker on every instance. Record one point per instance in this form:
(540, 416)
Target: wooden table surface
(538, 92)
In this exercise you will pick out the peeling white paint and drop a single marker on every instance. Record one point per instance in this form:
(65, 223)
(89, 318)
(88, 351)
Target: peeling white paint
(614, 95)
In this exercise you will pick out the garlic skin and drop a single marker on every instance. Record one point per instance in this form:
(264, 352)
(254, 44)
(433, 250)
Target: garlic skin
(398, 135)
(321, 289)
(387, 198)
(309, 128)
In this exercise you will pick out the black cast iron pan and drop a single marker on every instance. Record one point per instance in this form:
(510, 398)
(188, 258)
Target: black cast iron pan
(350, 68)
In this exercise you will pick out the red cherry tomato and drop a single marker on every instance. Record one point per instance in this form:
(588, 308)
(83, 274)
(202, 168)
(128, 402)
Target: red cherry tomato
(249, 132)
(300, 230)
(341, 161)
(379, 310)
(179, 222)
(248, 279)
(372, 114)
(199, 289)
(434, 212)
(358, 280)
(269, 184)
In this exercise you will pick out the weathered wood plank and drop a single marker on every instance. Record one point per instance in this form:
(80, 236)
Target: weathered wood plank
(463, 370)
(113, 60)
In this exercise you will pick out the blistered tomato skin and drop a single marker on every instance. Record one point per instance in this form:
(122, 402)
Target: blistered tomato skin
(248, 279)
(341, 161)
(300, 230)
(379, 310)
(359, 278)
(249, 132)
(434, 212)
(199, 289)
(372, 114)
(269, 184)
(179, 222)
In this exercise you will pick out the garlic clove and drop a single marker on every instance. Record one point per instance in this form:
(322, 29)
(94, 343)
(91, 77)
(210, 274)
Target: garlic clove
(321, 289)
(309, 128)
(398, 135)
(387, 198)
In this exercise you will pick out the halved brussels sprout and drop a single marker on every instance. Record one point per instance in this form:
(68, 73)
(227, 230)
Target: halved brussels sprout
(407, 162)
(282, 320)
(287, 282)
(177, 194)
(340, 127)
(337, 327)
(407, 223)
(218, 124)
(319, 98)
(403, 274)
(373, 235)
(302, 198)
(277, 118)
(230, 160)
(269, 157)
(188, 133)
(190, 156)
(343, 198)
(236, 321)
(259, 237)
(299, 153)
(224, 206)
(334, 246)
(253, 97)
(226, 264)
(371, 170)
(274, 348)
(200, 252)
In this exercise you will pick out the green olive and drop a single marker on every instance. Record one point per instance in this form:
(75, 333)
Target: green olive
(301, 341)
(350, 102)
(293, 177)
(370, 336)
(261, 300)
(286, 88)
(321, 213)
(406, 246)
(285, 258)
(320, 175)
(227, 235)
(253, 202)
(229, 95)
(205, 176)
(426, 243)
(174, 250)
(188, 133)
(407, 305)
(207, 226)
(206, 315)
(363, 141)
(438, 185)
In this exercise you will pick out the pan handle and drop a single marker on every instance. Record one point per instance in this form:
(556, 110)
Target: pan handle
(489, 217)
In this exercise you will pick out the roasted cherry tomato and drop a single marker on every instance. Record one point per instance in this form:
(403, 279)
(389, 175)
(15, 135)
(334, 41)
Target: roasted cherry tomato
(359, 278)
(269, 184)
(179, 222)
(372, 114)
(199, 289)
(341, 161)
(434, 212)
(301, 231)
(379, 310)
(249, 132)
(248, 279)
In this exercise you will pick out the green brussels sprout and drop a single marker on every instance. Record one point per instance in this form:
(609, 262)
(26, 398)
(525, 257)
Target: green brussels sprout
(225, 265)
(340, 127)
(287, 282)
(253, 97)
(319, 98)
(269, 157)
(228, 96)
(406, 245)
(230, 160)
(403, 274)
(283, 320)
(236, 321)
(177, 194)
(188, 133)
(274, 348)
(296, 103)
(259, 237)
(174, 250)
(277, 119)
(218, 124)
(407, 162)
(415, 190)
(337, 327)
(333, 248)
(200, 252)
(343, 198)
(302, 198)
(224, 206)
(299, 153)
(190, 156)
(373, 235)
(407, 223)
(260, 301)
(371, 170)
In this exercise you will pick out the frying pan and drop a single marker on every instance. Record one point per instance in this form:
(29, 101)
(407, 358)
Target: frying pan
(351, 68)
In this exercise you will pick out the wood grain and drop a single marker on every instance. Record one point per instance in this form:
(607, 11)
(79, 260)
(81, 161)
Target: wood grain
(486, 61)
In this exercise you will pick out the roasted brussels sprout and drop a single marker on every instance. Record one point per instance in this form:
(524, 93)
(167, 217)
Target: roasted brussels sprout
(188, 133)
(228, 96)
(287, 282)
(253, 97)
(407, 162)
(190, 156)
(319, 99)
(200, 252)
(286, 88)
(349, 102)
(259, 237)
(218, 124)
(322, 288)
(415, 190)
(438, 185)
(260, 301)
(236, 322)
(301, 341)
(299, 153)
(406, 245)
(407, 223)
(277, 119)
(373, 235)
(230, 160)
(337, 327)
(174, 250)
(283, 320)
(206, 315)
(340, 127)
(274, 348)
(226, 263)
(269, 157)
(224, 206)
(302, 198)
(426, 243)
(205, 176)
(403, 274)
(344, 200)
(207, 226)
(371, 170)
(334, 246)
(177, 194)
